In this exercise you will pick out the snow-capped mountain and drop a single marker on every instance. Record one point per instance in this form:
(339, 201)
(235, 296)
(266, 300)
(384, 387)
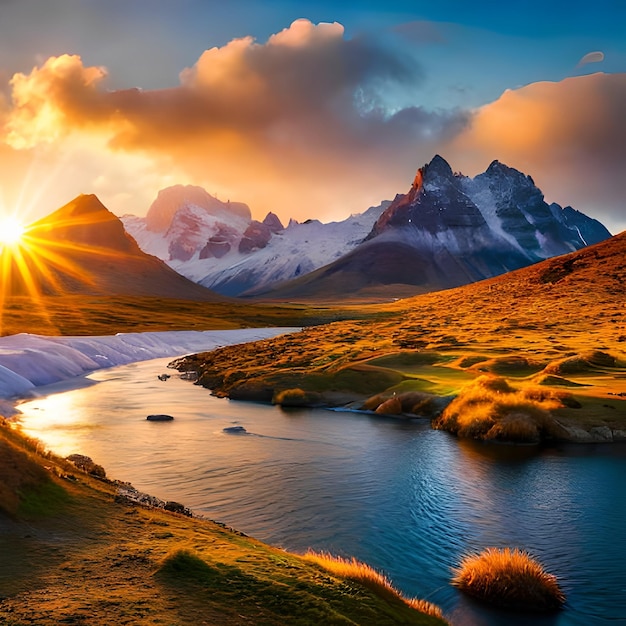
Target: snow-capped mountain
(498, 207)
(450, 230)
(218, 245)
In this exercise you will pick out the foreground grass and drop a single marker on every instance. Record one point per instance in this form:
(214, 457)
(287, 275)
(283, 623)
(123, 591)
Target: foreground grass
(558, 344)
(369, 577)
(509, 579)
(71, 553)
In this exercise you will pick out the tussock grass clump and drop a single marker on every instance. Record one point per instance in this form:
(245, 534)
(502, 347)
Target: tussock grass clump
(414, 402)
(490, 409)
(391, 406)
(508, 578)
(296, 398)
(353, 569)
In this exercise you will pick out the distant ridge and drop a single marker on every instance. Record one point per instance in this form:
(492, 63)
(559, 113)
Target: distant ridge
(82, 248)
(450, 230)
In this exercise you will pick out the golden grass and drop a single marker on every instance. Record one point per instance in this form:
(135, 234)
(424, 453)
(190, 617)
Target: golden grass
(508, 578)
(365, 574)
(296, 398)
(438, 343)
(100, 315)
(490, 409)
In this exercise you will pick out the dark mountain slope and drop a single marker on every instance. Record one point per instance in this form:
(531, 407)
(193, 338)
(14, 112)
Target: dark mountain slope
(82, 248)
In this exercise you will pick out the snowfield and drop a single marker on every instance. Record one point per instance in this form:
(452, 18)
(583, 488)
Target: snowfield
(29, 361)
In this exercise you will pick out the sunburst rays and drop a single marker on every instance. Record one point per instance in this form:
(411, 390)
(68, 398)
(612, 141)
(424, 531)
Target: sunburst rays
(49, 259)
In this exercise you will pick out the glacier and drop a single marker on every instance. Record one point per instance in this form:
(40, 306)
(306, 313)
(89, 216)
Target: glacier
(28, 361)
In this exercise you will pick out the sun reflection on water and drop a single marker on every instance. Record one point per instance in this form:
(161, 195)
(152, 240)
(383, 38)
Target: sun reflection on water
(57, 420)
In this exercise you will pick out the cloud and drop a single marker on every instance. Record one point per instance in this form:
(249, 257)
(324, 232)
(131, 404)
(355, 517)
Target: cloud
(569, 135)
(301, 125)
(298, 124)
(45, 101)
(591, 57)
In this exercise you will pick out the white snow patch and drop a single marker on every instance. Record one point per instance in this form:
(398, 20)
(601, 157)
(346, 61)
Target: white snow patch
(28, 361)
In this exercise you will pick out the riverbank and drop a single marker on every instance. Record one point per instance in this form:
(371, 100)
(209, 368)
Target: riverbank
(75, 551)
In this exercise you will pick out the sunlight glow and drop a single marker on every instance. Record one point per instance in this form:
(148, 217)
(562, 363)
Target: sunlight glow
(11, 231)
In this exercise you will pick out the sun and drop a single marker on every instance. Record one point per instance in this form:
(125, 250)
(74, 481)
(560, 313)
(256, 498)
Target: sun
(11, 231)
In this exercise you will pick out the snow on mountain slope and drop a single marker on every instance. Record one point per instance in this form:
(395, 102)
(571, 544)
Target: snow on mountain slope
(28, 361)
(298, 250)
(231, 255)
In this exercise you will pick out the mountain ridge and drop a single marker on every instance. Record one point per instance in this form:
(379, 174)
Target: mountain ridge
(454, 230)
(83, 248)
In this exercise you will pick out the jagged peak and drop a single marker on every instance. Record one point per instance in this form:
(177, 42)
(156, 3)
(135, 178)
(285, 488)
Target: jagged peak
(498, 168)
(439, 165)
(273, 221)
(437, 169)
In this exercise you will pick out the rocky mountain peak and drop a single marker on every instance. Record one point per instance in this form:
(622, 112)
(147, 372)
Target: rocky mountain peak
(435, 203)
(273, 222)
(171, 199)
(437, 168)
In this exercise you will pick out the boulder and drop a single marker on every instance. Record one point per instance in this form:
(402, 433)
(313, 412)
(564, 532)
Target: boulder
(235, 430)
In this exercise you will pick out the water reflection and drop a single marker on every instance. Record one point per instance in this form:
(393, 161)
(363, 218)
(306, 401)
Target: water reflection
(404, 498)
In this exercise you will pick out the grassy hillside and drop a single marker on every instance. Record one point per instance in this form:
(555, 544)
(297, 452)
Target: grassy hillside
(96, 315)
(73, 552)
(534, 354)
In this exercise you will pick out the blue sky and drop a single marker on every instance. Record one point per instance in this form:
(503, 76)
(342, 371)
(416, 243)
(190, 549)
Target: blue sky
(445, 66)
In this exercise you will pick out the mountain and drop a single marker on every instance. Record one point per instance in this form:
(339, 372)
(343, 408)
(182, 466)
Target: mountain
(219, 246)
(450, 230)
(82, 248)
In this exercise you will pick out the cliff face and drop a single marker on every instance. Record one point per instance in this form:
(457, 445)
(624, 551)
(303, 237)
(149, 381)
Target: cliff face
(501, 207)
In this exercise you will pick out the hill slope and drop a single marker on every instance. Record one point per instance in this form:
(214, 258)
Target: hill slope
(556, 329)
(83, 249)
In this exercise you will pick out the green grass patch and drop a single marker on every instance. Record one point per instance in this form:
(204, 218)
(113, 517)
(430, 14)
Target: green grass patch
(267, 590)
(409, 361)
(443, 381)
(510, 365)
(43, 500)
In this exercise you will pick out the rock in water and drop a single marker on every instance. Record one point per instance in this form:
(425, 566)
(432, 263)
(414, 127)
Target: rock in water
(159, 418)
(235, 430)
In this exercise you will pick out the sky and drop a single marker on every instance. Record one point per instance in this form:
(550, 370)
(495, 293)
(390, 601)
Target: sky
(307, 109)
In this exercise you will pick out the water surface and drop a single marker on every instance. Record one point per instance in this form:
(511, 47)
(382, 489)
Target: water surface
(404, 498)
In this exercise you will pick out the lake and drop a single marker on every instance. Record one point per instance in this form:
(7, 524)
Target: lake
(404, 498)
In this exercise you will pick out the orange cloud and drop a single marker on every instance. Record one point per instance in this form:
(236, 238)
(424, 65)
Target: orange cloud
(298, 125)
(44, 102)
(292, 125)
(569, 135)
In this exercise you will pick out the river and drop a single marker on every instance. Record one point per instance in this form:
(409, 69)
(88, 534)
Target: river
(402, 497)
